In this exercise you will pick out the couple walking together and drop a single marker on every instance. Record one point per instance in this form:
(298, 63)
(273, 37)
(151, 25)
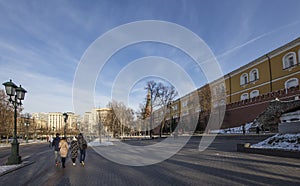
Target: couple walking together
(61, 148)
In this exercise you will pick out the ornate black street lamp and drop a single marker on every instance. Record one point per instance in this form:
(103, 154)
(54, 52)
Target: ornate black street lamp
(65, 119)
(16, 95)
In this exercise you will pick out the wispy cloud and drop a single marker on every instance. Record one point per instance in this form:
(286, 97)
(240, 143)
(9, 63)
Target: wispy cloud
(45, 94)
(41, 43)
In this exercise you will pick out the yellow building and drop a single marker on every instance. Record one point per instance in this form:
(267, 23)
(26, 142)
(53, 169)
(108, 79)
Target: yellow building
(243, 93)
(248, 89)
(272, 72)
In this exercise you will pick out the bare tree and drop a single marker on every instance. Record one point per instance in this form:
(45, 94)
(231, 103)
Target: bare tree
(115, 124)
(160, 96)
(166, 94)
(152, 102)
(6, 116)
(122, 118)
(141, 112)
(99, 123)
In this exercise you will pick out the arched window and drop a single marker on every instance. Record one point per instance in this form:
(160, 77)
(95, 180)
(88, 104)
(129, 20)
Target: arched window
(215, 90)
(222, 102)
(299, 56)
(244, 96)
(184, 103)
(222, 88)
(244, 79)
(289, 60)
(254, 75)
(254, 93)
(291, 83)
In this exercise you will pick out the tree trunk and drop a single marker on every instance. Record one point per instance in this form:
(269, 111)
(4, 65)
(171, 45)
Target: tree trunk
(161, 128)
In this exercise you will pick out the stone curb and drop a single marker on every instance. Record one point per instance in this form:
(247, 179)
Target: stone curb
(270, 152)
(24, 164)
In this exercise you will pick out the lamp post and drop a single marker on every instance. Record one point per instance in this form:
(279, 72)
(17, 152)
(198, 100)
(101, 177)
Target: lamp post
(27, 125)
(16, 95)
(65, 119)
(53, 128)
(171, 116)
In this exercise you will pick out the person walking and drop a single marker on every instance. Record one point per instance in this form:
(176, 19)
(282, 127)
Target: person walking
(64, 147)
(257, 129)
(55, 144)
(74, 150)
(82, 148)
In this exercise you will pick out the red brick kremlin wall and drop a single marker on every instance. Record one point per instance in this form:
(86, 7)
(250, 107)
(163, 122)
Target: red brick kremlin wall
(245, 111)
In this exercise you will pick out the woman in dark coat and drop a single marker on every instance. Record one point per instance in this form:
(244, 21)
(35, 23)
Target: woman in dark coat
(74, 150)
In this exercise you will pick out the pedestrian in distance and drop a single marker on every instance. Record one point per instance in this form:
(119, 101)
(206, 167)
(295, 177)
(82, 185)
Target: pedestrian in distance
(50, 141)
(55, 144)
(262, 128)
(82, 148)
(74, 150)
(257, 129)
(64, 147)
(244, 130)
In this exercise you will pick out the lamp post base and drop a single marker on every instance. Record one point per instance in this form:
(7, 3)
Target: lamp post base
(14, 157)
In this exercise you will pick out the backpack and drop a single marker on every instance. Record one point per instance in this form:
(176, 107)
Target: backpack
(84, 144)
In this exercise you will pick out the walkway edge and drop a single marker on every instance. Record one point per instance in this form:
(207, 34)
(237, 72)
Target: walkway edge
(270, 152)
(23, 164)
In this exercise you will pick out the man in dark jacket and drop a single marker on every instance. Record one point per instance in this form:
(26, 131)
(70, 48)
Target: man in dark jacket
(55, 144)
(82, 147)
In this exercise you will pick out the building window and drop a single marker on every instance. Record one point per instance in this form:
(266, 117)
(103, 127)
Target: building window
(219, 89)
(299, 56)
(222, 88)
(175, 107)
(254, 93)
(185, 113)
(289, 60)
(291, 83)
(184, 103)
(244, 79)
(215, 90)
(244, 96)
(222, 102)
(254, 75)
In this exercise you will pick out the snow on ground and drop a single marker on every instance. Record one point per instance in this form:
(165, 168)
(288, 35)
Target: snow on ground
(235, 130)
(280, 141)
(21, 142)
(104, 142)
(6, 168)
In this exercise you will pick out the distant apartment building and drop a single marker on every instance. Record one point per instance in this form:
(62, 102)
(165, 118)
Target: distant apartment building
(95, 120)
(56, 122)
(40, 122)
(86, 124)
(103, 116)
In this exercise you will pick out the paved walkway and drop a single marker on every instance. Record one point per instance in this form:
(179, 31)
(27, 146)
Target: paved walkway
(220, 164)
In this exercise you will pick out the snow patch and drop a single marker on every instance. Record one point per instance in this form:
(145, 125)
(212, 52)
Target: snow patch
(104, 142)
(280, 141)
(234, 130)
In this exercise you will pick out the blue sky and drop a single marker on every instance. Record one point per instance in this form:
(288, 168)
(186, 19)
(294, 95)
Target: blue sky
(42, 42)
